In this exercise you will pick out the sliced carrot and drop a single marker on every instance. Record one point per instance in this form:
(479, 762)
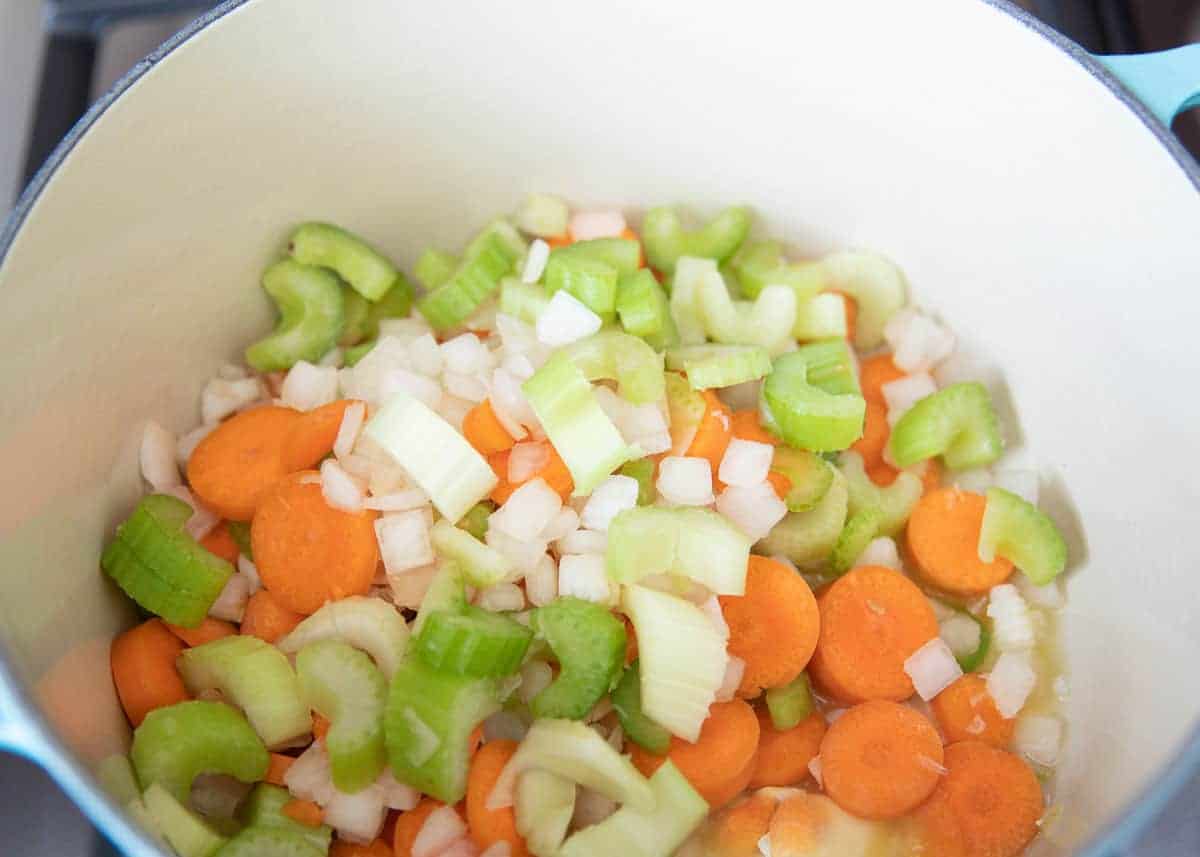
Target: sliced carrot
(773, 627)
(810, 824)
(880, 760)
(306, 551)
(780, 483)
(965, 711)
(208, 630)
(872, 619)
(409, 825)
(489, 826)
(556, 241)
(238, 461)
(875, 435)
(882, 474)
(554, 472)
(314, 435)
(320, 727)
(943, 538)
(735, 830)
(342, 848)
(933, 831)
(851, 306)
(721, 762)
(783, 755)
(930, 471)
(304, 812)
(747, 425)
(874, 373)
(220, 542)
(994, 796)
(713, 434)
(277, 768)
(484, 431)
(143, 669)
(267, 619)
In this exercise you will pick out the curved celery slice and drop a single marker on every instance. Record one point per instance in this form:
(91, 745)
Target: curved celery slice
(692, 542)
(355, 309)
(161, 567)
(830, 366)
(370, 624)
(894, 502)
(447, 592)
(430, 716)
(472, 641)
(586, 439)
(257, 678)
(311, 314)
(433, 453)
(325, 246)
(685, 299)
(263, 807)
(790, 704)
(805, 415)
(820, 317)
(645, 311)
(681, 657)
(351, 356)
(854, 538)
(543, 808)
(590, 280)
(344, 686)
(395, 303)
(701, 304)
(544, 215)
(666, 240)
(177, 743)
(719, 365)
(269, 842)
(115, 774)
(182, 828)
(875, 283)
(761, 264)
(635, 366)
(809, 474)
(643, 471)
(957, 422)
(1020, 532)
(589, 643)
(638, 728)
(577, 753)
(633, 832)
(475, 521)
(482, 565)
(434, 267)
(487, 259)
(806, 538)
(623, 254)
(522, 300)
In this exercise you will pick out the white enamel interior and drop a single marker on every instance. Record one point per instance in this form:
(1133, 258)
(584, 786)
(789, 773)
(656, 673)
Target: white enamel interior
(1029, 207)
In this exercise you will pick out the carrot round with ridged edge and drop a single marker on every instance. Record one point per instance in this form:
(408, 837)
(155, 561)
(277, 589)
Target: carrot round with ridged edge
(784, 754)
(943, 539)
(267, 619)
(314, 435)
(880, 760)
(994, 796)
(872, 619)
(874, 372)
(143, 669)
(484, 431)
(773, 627)
(736, 830)
(219, 542)
(721, 762)
(409, 824)
(342, 848)
(875, 435)
(306, 551)
(965, 711)
(208, 630)
(489, 826)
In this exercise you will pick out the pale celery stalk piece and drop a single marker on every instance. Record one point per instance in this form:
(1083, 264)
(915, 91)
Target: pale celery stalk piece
(790, 704)
(370, 624)
(806, 538)
(367, 270)
(708, 366)
(482, 565)
(957, 422)
(447, 591)
(685, 299)
(269, 842)
(116, 776)
(820, 317)
(139, 813)
(543, 807)
(701, 305)
(1020, 532)
(433, 453)
(691, 542)
(666, 240)
(895, 502)
(543, 215)
(681, 656)
(263, 807)
(635, 366)
(877, 285)
(861, 527)
(182, 828)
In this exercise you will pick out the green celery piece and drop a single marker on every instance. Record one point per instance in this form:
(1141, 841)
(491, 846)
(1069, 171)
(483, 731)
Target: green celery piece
(430, 716)
(895, 502)
(691, 542)
(115, 774)
(488, 258)
(589, 443)
(177, 743)
(482, 565)
(345, 687)
(137, 810)
(701, 300)
(686, 408)
(666, 240)
(269, 842)
(806, 538)
(366, 623)
(957, 422)
(790, 704)
(634, 832)
(395, 303)
(543, 215)
(182, 828)
(589, 643)
(311, 315)
(820, 317)
(809, 474)
(239, 531)
(638, 728)
(543, 807)
(1023, 534)
(877, 286)
(620, 253)
(831, 367)
(475, 521)
(256, 677)
(643, 471)
(355, 309)
(684, 289)
(635, 366)
(645, 310)
(861, 527)
(325, 246)
(434, 267)
(352, 355)
(708, 366)
(447, 592)
(760, 264)
(263, 807)
(805, 415)
(525, 301)
(471, 641)
(161, 567)
(590, 280)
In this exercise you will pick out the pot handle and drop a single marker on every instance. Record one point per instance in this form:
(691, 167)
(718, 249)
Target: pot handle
(1167, 82)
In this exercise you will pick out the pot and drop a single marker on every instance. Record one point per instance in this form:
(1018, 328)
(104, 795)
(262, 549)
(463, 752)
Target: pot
(1043, 211)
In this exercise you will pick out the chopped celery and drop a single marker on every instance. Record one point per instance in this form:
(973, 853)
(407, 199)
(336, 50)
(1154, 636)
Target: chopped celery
(161, 567)
(644, 309)
(719, 365)
(666, 240)
(447, 591)
(957, 423)
(894, 502)
(433, 453)
(482, 565)
(790, 704)
(875, 283)
(543, 215)
(681, 657)
(1020, 532)
(434, 267)
(623, 254)
(806, 416)
(635, 366)
(311, 314)
(257, 678)
(820, 317)
(395, 303)
(692, 542)
(430, 716)
(475, 521)
(177, 743)
(583, 435)
(685, 409)
(487, 259)
(269, 842)
(522, 300)
(809, 474)
(861, 527)
(366, 270)
(239, 531)
(806, 538)
(761, 264)
(638, 728)
(354, 317)
(345, 687)
(351, 356)
(182, 828)
(589, 643)
(590, 280)
(115, 774)
(543, 808)
(701, 304)
(263, 807)
(685, 299)
(370, 624)
(831, 367)
(634, 832)
(136, 809)
(471, 641)
(643, 471)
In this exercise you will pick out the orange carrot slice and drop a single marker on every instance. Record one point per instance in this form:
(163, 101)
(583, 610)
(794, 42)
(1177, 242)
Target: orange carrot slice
(314, 435)
(277, 768)
(874, 373)
(783, 755)
(267, 619)
(208, 630)
(143, 669)
(747, 425)
(965, 711)
(409, 825)
(484, 431)
(875, 435)
(943, 538)
(489, 826)
(220, 542)
(735, 830)
(994, 796)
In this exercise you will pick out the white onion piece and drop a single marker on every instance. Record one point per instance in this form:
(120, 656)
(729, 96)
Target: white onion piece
(685, 481)
(586, 225)
(187, 443)
(307, 386)
(425, 355)
(882, 552)
(408, 588)
(541, 582)
(404, 329)
(608, 499)
(932, 668)
(309, 777)
(960, 633)
(524, 555)
(918, 342)
(468, 387)
(348, 429)
(156, 455)
(814, 768)
(466, 355)
(1012, 625)
(977, 480)
(565, 320)
(425, 390)
(527, 459)
(220, 397)
(399, 501)
(1010, 682)
(745, 463)
(1023, 483)
(250, 571)
(643, 426)
(442, 828)
(905, 392)
(501, 598)
(231, 603)
(454, 409)
(755, 510)
(535, 261)
(358, 817)
(712, 609)
(1039, 739)
(396, 795)
(404, 541)
(340, 489)
(1050, 596)
(582, 541)
(566, 521)
(735, 668)
(584, 576)
(528, 511)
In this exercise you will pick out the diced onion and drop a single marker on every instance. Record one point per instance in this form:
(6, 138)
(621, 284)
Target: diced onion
(712, 608)
(352, 423)
(685, 481)
(755, 510)
(905, 392)
(541, 582)
(536, 676)
(440, 830)
(584, 576)
(404, 541)
(535, 261)
(309, 778)
(918, 342)
(502, 598)
(524, 555)
(735, 668)
(1010, 682)
(468, 387)
(612, 496)
(1050, 596)
(566, 521)
(745, 463)
(1039, 739)
(358, 817)
(741, 397)
(526, 459)
(339, 488)
(202, 520)
(188, 443)
(527, 511)
(814, 768)
(409, 587)
(397, 795)
(307, 386)
(220, 397)
(398, 501)
(508, 402)
(157, 457)
(961, 633)
(466, 355)
(1012, 626)
(565, 320)
(425, 355)
(643, 426)
(248, 569)
(882, 552)
(586, 225)
(582, 541)
(231, 603)
(932, 668)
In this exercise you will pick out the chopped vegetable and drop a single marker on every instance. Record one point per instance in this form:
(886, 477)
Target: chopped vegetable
(522, 300)
(543, 215)
(268, 842)
(645, 311)
(957, 423)
(877, 286)
(369, 624)
(263, 808)
(143, 669)
(702, 308)
(364, 268)
(475, 521)
(311, 315)
(806, 538)
(760, 264)
(182, 828)
(264, 617)
(993, 795)
(1018, 531)
(893, 503)
(589, 643)
(472, 642)
(434, 267)
(719, 365)
(491, 826)
(861, 527)
(643, 471)
(823, 317)
(666, 240)
(482, 565)
(490, 256)
(968, 637)
(809, 477)
(620, 253)
(943, 537)
(784, 754)
(544, 805)
(634, 365)
(806, 416)
(790, 703)
(589, 280)
(965, 711)
(638, 728)
(694, 543)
